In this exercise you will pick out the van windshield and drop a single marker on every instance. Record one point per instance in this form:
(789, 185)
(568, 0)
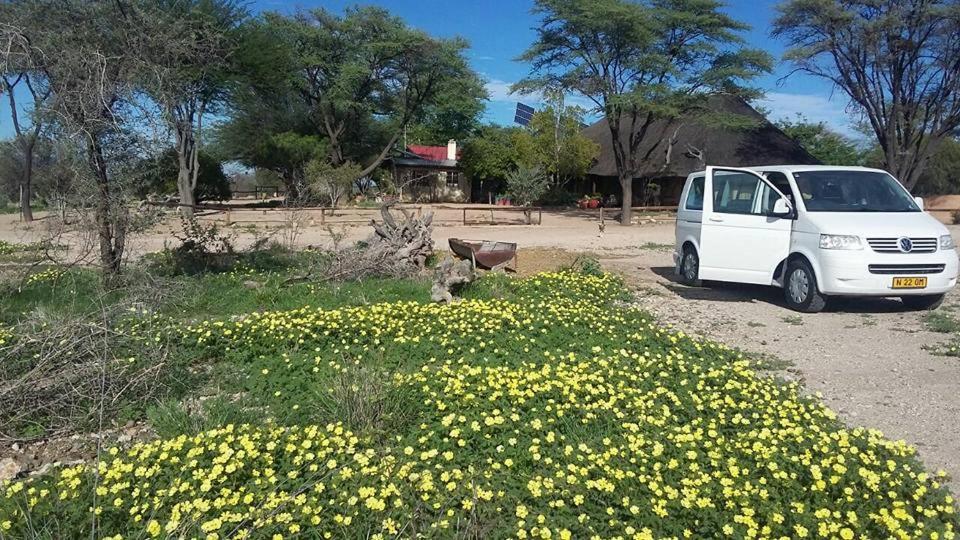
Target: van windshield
(852, 191)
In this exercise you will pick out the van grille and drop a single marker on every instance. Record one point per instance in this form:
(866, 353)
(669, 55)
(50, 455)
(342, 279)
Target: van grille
(906, 268)
(892, 245)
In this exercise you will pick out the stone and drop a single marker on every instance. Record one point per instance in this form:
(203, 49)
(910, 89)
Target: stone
(9, 469)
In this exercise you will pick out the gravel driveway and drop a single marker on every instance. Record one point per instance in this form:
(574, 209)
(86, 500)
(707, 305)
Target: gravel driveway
(866, 357)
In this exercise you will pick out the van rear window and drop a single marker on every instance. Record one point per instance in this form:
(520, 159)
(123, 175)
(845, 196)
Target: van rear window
(695, 195)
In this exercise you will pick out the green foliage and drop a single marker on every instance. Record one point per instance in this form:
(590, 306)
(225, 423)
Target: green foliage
(454, 114)
(639, 62)
(826, 145)
(203, 248)
(560, 148)
(526, 185)
(557, 196)
(496, 151)
(331, 183)
(354, 81)
(944, 323)
(941, 176)
(160, 177)
(490, 408)
(895, 62)
(172, 417)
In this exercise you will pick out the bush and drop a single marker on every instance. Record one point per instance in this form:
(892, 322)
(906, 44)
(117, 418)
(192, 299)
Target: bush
(557, 196)
(160, 177)
(202, 249)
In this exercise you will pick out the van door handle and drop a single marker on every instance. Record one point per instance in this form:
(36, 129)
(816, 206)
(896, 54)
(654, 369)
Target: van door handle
(717, 219)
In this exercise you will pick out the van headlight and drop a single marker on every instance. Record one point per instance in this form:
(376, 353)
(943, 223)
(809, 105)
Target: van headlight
(840, 241)
(946, 242)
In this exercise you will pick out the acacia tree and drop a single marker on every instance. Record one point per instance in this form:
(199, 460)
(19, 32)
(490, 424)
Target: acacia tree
(187, 74)
(87, 53)
(366, 76)
(639, 62)
(897, 60)
(16, 74)
(26, 135)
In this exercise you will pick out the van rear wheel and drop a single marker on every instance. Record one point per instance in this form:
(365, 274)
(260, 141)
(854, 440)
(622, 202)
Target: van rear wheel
(800, 288)
(690, 267)
(923, 302)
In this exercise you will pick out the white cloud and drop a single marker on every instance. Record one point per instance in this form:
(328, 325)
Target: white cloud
(499, 91)
(816, 108)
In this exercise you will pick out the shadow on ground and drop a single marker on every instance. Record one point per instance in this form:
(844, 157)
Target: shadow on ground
(718, 291)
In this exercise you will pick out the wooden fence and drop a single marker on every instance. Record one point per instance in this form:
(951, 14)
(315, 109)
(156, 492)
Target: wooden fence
(230, 212)
(527, 210)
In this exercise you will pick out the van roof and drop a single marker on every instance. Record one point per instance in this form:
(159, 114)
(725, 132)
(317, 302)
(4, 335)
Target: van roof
(801, 168)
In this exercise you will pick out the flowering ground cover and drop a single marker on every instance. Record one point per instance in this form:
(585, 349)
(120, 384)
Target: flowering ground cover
(536, 408)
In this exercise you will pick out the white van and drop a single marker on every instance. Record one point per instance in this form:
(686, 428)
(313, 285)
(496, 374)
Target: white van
(816, 231)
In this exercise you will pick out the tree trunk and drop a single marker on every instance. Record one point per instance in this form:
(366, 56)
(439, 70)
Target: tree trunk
(110, 229)
(626, 199)
(26, 183)
(184, 189)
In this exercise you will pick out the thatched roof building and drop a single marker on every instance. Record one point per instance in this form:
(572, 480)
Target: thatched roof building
(696, 144)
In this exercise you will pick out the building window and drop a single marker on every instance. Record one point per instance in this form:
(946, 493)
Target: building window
(453, 179)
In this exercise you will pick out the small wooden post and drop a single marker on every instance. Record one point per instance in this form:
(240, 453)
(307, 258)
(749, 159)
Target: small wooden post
(464, 216)
(229, 221)
(323, 216)
(540, 216)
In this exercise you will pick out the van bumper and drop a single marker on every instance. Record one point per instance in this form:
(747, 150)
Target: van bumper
(848, 273)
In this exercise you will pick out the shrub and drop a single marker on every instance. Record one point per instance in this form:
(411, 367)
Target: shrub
(558, 196)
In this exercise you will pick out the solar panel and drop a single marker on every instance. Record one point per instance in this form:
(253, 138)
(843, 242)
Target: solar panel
(524, 114)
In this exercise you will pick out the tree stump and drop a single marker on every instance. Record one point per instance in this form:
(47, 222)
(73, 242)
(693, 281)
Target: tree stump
(449, 276)
(407, 241)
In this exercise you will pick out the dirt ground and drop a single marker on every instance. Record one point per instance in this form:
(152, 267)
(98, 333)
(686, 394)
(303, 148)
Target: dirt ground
(571, 230)
(865, 357)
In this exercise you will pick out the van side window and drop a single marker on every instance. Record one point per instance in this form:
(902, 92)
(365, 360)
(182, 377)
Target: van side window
(735, 193)
(695, 194)
(769, 196)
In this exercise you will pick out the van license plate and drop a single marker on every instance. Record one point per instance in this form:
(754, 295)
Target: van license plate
(909, 282)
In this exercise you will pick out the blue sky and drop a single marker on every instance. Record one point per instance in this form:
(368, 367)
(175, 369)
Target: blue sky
(500, 30)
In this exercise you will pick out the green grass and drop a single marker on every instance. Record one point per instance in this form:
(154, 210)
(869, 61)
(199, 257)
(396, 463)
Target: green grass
(795, 320)
(78, 291)
(944, 323)
(477, 419)
(655, 246)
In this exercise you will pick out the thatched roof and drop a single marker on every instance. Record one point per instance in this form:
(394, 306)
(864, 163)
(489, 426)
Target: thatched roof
(763, 145)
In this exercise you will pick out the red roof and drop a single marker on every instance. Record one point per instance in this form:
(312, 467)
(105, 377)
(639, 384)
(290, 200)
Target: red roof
(432, 153)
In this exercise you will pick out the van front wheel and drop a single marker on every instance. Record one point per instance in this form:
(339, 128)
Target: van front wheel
(690, 267)
(800, 288)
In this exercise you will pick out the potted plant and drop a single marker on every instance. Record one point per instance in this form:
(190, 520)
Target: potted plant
(589, 201)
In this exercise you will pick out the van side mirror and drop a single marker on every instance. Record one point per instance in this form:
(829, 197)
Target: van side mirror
(919, 201)
(782, 209)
